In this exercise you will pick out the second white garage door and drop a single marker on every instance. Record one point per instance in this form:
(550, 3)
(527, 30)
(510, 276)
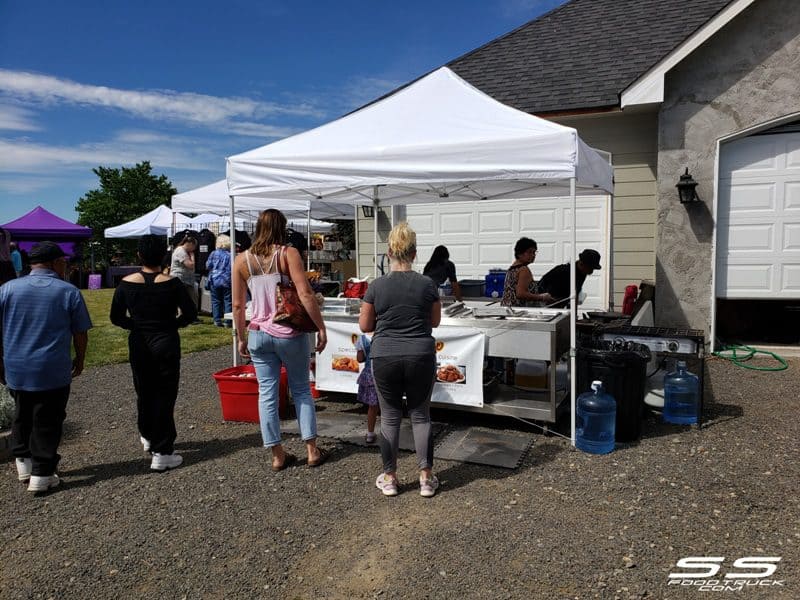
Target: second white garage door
(758, 218)
(481, 236)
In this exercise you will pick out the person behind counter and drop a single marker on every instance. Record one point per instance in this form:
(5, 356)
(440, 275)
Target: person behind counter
(402, 308)
(440, 269)
(146, 303)
(556, 281)
(269, 344)
(182, 266)
(520, 288)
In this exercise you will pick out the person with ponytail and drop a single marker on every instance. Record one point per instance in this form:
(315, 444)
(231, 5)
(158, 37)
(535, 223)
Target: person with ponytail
(402, 308)
(441, 269)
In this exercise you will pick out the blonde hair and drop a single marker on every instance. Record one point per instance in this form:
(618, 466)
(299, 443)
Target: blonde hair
(224, 241)
(402, 243)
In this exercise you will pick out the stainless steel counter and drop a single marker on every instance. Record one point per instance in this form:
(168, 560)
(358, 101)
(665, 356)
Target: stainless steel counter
(527, 333)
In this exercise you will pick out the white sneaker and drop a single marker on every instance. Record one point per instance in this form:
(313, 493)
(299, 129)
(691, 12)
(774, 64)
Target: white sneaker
(42, 483)
(162, 462)
(387, 485)
(145, 443)
(428, 487)
(24, 469)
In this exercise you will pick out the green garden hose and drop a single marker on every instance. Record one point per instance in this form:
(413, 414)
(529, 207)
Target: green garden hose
(732, 353)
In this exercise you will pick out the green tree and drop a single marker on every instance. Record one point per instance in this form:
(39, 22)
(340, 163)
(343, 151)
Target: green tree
(124, 194)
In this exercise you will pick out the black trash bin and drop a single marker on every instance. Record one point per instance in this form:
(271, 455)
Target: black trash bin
(622, 367)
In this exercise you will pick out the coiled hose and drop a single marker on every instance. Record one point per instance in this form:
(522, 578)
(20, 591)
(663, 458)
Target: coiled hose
(739, 355)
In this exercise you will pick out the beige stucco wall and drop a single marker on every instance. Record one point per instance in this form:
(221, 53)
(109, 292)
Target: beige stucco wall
(631, 138)
(747, 74)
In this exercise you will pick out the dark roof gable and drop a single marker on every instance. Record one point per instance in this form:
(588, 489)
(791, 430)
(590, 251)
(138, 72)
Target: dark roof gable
(583, 54)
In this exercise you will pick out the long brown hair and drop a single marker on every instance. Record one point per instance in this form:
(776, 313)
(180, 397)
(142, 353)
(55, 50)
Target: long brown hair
(270, 230)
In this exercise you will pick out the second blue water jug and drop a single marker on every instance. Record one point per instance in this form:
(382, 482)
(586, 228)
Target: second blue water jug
(595, 422)
(681, 396)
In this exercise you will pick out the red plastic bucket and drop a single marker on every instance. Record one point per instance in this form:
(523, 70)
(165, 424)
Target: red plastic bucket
(238, 393)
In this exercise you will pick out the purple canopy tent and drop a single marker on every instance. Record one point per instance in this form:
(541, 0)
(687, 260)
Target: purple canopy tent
(39, 224)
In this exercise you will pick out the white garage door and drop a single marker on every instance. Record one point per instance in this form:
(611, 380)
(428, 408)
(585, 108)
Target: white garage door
(758, 218)
(481, 236)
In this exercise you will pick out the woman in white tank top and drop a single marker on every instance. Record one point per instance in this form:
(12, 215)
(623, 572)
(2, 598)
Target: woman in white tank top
(271, 344)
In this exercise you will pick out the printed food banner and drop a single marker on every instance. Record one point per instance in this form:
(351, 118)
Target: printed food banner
(337, 367)
(459, 366)
(459, 363)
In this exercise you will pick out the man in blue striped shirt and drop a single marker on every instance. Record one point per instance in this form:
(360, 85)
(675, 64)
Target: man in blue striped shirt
(40, 316)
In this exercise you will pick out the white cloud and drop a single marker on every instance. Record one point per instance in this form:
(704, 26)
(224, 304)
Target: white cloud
(219, 113)
(27, 157)
(16, 118)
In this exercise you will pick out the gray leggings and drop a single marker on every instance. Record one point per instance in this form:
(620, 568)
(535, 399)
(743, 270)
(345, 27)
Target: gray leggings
(412, 376)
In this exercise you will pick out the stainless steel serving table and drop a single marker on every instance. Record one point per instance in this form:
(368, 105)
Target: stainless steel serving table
(530, 333)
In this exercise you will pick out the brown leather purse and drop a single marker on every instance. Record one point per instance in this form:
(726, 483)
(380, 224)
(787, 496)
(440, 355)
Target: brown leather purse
(289, 310)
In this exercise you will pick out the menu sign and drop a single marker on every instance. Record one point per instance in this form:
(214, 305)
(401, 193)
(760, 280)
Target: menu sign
(459, 363)
(459, 366)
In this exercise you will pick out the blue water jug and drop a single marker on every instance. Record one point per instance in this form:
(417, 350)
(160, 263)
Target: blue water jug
(681, 396)
(595, 422)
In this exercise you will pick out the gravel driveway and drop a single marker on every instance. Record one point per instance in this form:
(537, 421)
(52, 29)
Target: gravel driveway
(563, 525)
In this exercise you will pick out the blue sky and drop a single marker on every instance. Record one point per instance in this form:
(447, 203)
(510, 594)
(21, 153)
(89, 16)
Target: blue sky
(185, 84)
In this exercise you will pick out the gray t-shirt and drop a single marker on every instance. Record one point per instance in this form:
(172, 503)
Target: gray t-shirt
(402, 301)
(178, 269)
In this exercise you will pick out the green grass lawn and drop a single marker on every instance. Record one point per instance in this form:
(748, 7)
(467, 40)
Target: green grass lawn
(109, 344)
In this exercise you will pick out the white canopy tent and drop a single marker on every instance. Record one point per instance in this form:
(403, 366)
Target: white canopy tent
(158, 222)
(436, 140)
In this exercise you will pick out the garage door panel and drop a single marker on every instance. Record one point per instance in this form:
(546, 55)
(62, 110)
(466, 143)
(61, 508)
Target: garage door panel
(749, 238)
(424, 224)
(751, 197)
(791, 196)
(752, 279)
(791, 237)
(460, 253)
(496, 222)
(539, 220)
(791, 278)
(498, 255)
(758, 218)
(457, 223)
(757, 156)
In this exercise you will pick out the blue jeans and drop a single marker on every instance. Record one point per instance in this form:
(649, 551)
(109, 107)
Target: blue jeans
(220, 303)
(268, 353)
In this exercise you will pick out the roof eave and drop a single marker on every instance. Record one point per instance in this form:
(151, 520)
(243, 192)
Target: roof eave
(649, 88)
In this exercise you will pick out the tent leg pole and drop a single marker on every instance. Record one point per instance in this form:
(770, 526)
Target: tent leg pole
(234, 283)
(573, 327)
(375, 232)
(308, 239)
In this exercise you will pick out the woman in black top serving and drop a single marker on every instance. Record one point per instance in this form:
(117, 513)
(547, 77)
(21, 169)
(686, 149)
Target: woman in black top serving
(147, 304)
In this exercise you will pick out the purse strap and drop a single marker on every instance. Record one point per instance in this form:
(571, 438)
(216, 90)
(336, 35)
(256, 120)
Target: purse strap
(282, 258)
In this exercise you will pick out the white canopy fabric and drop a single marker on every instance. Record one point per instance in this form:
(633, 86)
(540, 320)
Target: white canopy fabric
(439, 139)
(158, 222)
(215, 198)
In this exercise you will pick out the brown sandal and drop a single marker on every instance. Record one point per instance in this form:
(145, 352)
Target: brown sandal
(288, 461)
(323, 456)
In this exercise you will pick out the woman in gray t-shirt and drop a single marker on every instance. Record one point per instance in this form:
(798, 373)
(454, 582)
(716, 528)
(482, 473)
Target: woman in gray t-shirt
(402, 308)
(182, 265)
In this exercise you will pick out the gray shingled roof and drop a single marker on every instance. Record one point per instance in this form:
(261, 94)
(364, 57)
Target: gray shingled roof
(583, 54)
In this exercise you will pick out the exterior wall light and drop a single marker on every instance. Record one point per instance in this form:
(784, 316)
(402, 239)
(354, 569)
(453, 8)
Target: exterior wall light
(686, 188)
(367, 211)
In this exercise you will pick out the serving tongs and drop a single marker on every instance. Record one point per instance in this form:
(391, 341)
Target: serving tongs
(456, 308)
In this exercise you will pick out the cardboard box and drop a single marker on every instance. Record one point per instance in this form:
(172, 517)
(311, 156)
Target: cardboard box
(346, 267)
